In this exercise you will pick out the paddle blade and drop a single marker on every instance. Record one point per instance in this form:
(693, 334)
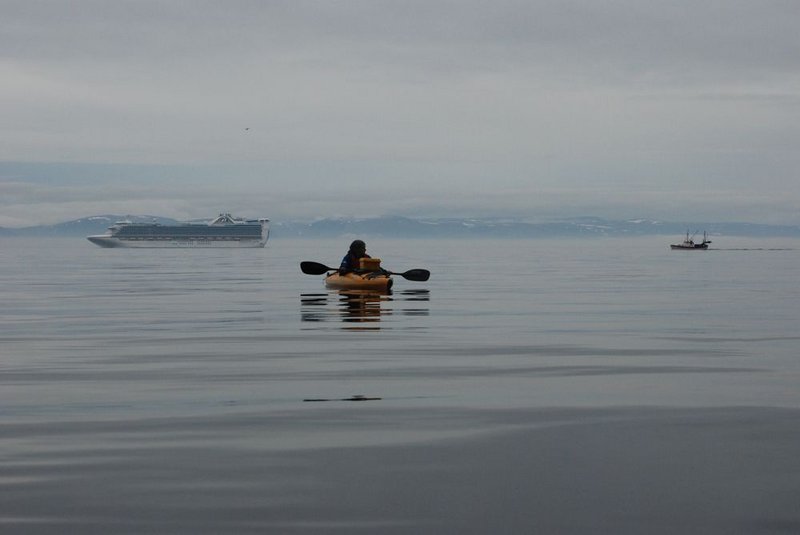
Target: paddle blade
(313, 268)
(420, 275)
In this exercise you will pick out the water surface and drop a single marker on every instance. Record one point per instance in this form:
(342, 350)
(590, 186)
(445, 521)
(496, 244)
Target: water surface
(532, 386)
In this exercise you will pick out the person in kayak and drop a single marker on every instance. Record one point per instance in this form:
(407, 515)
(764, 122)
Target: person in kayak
(358, 249)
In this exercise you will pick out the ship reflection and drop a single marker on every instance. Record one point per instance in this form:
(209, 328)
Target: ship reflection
(362, 309)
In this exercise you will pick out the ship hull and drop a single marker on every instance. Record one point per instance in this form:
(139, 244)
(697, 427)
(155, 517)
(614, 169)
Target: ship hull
(109, 242)
(689, 247)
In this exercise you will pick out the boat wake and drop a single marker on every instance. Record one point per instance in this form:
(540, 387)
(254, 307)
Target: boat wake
(753, 249)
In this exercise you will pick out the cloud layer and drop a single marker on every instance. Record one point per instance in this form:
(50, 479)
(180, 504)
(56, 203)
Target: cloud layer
(312, 109)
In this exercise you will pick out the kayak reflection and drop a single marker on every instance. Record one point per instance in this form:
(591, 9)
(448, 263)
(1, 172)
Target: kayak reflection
(362, 306)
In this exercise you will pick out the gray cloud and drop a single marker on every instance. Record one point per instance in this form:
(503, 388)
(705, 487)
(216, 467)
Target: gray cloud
(317, 108)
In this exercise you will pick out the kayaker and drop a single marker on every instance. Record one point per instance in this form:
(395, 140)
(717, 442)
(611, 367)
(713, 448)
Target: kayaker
(358, 249)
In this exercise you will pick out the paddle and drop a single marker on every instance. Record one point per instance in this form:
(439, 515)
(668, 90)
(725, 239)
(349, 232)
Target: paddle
(315, 268)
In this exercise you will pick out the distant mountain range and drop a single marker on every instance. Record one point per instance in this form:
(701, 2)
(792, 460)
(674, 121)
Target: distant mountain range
(83, 227)
(403, 227)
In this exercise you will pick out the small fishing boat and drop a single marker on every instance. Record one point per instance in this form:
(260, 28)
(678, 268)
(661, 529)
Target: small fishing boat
(689, 243)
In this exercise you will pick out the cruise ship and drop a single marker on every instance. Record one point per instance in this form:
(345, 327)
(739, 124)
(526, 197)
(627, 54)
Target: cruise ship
(223, 231)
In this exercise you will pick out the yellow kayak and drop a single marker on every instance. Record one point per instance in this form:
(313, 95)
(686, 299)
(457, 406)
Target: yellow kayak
(359, 281)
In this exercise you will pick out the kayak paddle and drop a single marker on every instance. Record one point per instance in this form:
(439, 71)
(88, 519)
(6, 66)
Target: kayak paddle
(315, 268)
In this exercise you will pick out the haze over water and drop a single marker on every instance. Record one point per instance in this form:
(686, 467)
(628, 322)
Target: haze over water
(532, 386)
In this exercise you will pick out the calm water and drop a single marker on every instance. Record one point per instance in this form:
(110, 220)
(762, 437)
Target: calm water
(579, 386)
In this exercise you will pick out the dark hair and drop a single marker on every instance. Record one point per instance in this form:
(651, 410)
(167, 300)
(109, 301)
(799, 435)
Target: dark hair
(358, 245)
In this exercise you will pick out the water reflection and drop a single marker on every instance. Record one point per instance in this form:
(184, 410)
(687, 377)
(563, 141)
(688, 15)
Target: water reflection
(363, 305)
(364, 308)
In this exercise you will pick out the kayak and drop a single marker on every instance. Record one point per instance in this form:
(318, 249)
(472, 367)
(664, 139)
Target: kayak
(359, 281)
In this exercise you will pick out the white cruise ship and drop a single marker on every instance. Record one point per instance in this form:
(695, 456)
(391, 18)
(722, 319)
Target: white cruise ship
(223, 231)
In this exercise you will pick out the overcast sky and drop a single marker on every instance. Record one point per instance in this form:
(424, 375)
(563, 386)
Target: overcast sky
(675, 110)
